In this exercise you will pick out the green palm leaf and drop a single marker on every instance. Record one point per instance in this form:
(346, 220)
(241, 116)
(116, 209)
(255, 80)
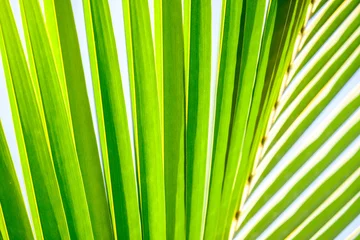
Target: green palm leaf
(296, 164)
(279, 159)
(13, 216)
(112, 121)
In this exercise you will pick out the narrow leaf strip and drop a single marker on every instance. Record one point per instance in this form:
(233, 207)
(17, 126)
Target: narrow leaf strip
(254, 24)
(119, 167)
(198, 117)
(59, 125)
(85, 140)
(174, 118)
(21, 141)
(36, 159)
(159, 55)
(130, 61)
(148, 122)
(243, 183)
(54, 38)
(186, 29)
(99, 106)
(231, 17)
(3, 230)
(12, 207)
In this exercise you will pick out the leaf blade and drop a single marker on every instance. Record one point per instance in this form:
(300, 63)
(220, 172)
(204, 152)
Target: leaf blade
(85, 141)
(147, 124)
(59, 125)
(36, 159)
(119, 164)
(12, 206)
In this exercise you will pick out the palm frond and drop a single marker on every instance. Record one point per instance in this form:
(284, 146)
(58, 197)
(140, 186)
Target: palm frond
(14, 221)
(276, 157)
(304, 179)
(197, 117)
(174, 118)
(112, 121)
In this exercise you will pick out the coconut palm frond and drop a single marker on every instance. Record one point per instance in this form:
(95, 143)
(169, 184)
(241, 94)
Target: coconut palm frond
(251, 132)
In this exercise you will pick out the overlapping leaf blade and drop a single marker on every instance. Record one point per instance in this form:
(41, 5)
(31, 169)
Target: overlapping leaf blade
(254, 22)
(15, 222)
(118, 161)
(307, 169)
(147, 120)
(59, 125)
(42, 186)
(226, 80)
(174, 118)
(285, 147)
(198, 117)
(88, 155)
(3, 229)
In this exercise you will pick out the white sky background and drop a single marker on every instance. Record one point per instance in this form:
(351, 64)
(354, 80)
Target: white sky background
(116, 10)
